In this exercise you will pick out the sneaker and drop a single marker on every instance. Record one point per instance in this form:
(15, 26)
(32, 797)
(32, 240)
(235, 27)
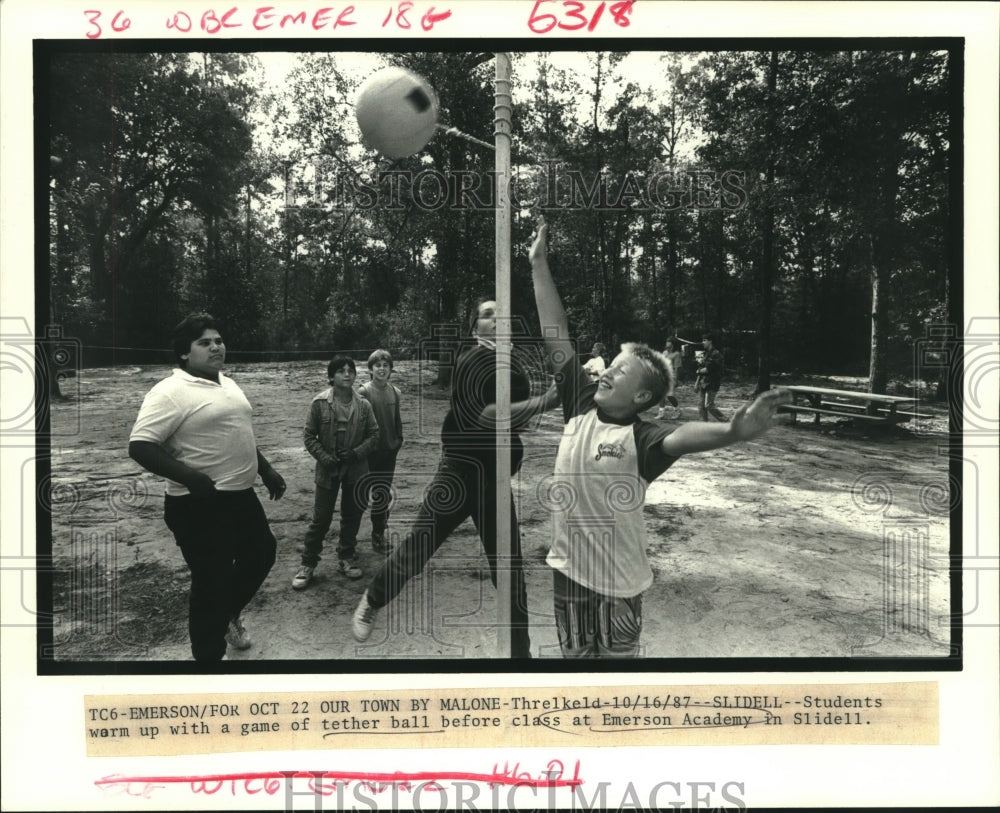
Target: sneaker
(237, 635)
(363, 619)
(302, 578)
(350, 569)
(379, 543)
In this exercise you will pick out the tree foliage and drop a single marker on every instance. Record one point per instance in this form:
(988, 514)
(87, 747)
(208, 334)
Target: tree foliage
(797, 202)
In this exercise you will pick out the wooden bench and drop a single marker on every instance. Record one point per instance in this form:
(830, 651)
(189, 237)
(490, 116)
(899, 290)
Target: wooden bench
(850, 404)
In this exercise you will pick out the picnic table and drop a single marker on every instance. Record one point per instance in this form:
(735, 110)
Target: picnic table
(858, 406)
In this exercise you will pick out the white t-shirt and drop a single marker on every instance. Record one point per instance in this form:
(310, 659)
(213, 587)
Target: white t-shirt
(203, 424)
(597, 492)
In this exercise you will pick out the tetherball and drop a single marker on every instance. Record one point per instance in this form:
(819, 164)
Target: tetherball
(397, 112)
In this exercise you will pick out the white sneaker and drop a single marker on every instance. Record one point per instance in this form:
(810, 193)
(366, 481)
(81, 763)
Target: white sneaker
(237, 635)
(363, 619)
(302, 578)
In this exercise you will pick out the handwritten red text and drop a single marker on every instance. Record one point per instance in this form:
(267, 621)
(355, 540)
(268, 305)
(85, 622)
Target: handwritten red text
(574, 15)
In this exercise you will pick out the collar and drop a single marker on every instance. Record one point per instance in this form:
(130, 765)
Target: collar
(182, 373)
(333, 399)
(604, 418)
(487, 343)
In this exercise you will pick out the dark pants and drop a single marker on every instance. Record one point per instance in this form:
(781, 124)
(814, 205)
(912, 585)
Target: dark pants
(381, 470)
(706, 405)
(353, 502)
(229, 547)
(591, 625)
(460, 490)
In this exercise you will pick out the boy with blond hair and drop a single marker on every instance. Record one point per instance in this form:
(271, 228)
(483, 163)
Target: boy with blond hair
(607, 456)
(384, 398)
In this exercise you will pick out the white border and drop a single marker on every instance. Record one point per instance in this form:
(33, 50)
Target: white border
(43, 751)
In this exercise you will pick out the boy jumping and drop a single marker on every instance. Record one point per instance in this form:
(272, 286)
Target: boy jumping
(607, 456)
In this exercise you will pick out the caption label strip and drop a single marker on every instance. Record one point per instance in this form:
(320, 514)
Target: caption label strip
(801, 714)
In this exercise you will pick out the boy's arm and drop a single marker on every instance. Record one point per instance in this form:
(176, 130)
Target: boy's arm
(273, 482)
(521, 412)
(399, 421)
(551, 314)
(370, 443)
(750, 421)
(310, 435)
(154, 458)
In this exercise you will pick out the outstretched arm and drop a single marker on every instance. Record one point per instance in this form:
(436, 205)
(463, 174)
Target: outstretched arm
(750, 421)
(551, 314)
(154, 458)
(521, 412)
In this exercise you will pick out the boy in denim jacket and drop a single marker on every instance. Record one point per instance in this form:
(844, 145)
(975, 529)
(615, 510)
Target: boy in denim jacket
(340, 432)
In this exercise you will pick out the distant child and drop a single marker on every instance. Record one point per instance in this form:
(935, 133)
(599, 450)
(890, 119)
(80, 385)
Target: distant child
(672, 354)
(606, 458)
(384, 398)
(596, 365)
(709, 379)
(340, 432)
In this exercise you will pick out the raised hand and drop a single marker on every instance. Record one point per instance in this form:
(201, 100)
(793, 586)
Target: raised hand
(754, 419)
(539, 248)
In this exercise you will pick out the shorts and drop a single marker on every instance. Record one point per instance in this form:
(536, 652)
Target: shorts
(591, 625)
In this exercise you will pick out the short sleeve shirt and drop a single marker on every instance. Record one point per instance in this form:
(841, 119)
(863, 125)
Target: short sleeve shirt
(597, 492)
(204, 425)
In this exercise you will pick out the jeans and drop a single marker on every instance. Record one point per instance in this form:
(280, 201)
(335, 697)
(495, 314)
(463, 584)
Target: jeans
(353, 501)
(229, 548)
(706, 405)
(381, 469)
(460, 490)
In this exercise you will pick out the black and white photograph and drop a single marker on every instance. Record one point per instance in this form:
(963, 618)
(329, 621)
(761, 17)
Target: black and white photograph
(778, 229)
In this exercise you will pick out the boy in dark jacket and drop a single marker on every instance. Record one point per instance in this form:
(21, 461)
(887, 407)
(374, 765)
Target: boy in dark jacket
(340, 432)
(709, 380)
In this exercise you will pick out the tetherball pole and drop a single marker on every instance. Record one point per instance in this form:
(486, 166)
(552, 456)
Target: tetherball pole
(501, 132)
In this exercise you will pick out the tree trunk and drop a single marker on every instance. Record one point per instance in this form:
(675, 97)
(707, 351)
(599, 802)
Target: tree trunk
(672, 270)
(877, 375)
(883, 242)
(766, 277)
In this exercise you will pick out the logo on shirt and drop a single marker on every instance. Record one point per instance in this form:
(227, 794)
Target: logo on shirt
(616, 450)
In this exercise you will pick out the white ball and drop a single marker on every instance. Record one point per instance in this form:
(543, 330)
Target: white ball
(397, 112)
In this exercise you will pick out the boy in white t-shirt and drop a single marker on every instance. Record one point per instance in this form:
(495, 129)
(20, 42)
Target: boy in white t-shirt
(195, 430)
(595, 364)
(606, 458)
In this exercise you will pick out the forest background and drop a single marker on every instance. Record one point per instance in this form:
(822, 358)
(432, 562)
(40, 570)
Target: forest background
(809, 217)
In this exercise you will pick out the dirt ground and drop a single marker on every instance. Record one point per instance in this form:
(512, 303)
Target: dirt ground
(825, 541)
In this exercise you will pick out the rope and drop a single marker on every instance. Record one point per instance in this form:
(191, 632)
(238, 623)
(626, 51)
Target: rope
(455, 131)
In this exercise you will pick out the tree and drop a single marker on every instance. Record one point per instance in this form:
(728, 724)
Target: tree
(141, 137)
